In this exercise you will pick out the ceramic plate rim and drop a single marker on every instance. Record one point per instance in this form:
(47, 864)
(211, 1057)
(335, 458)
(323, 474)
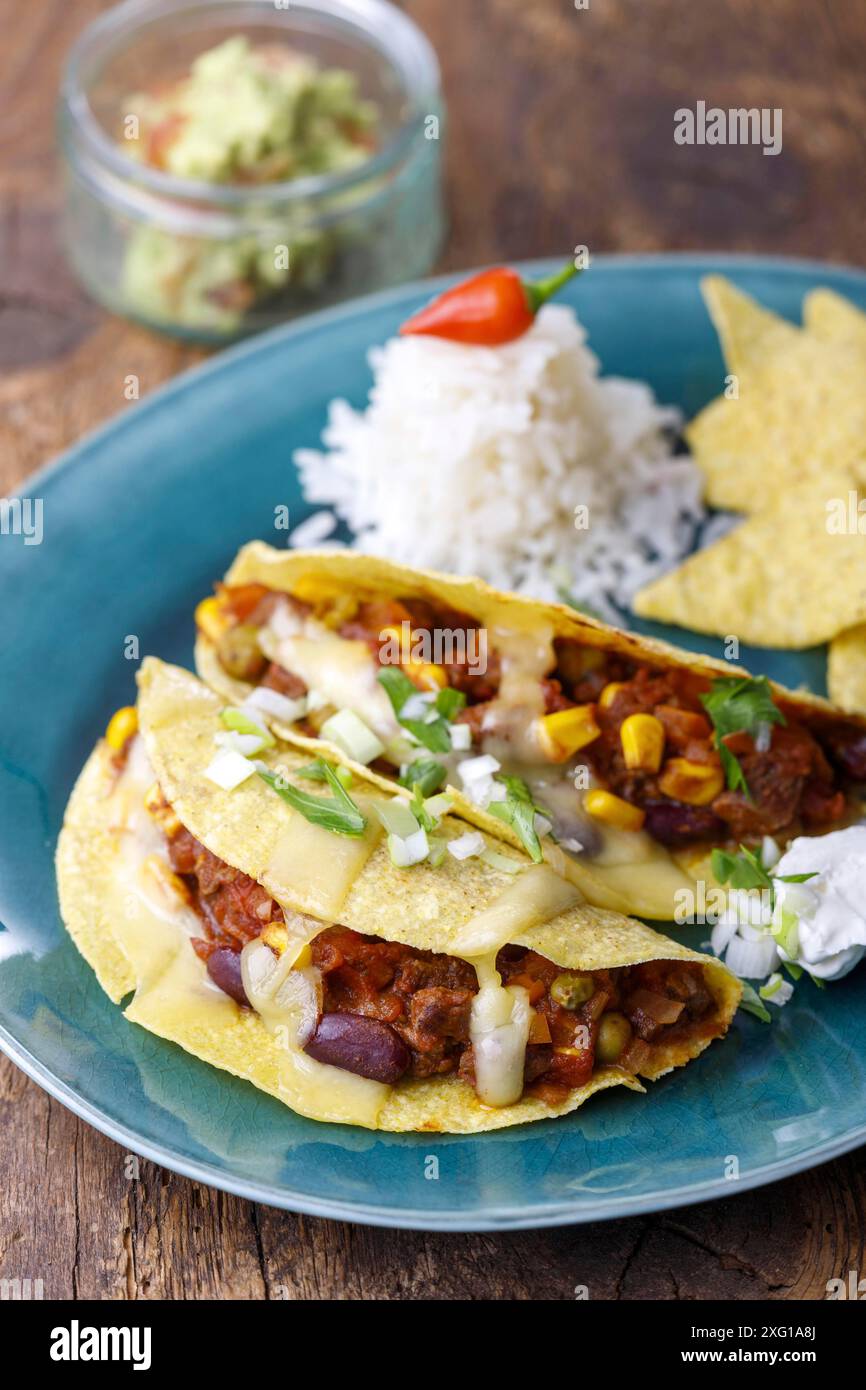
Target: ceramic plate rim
(490, 1218)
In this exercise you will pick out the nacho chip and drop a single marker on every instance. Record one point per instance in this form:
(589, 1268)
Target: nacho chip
(800, 411)
(832, 318)
(793, 576)
(846, 670)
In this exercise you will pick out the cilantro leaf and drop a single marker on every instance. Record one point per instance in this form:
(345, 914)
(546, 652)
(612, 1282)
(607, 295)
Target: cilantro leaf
(744, 870)
(518, 810)
(434, 735)
(337, 813)
(739, 704)
(424, 773)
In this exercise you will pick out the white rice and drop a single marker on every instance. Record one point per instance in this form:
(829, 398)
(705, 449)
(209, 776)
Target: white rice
(474, 460)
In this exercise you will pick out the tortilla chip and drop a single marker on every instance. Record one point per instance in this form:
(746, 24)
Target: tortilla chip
(747, 331)
(781, 579)
(830, 317)
(846, 670)
(800, 410)
(425, 906)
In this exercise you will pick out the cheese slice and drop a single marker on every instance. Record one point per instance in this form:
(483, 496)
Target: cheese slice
(311, 863)
(340, 670)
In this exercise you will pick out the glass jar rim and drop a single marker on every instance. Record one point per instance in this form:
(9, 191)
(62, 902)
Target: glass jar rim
(377, 22)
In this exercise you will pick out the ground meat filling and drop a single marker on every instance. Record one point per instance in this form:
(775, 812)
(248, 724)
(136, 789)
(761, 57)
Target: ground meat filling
(797, 784)
(426, 998)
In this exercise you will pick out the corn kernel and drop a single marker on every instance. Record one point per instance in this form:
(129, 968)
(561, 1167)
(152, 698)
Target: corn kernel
(643, 742)
(164, 877)
(564, 732)
(158, 808)
(612, 810)
(694, 783)
(426, 675)
(610, 692)
(121, 726)
(275, 936)
(211, 619)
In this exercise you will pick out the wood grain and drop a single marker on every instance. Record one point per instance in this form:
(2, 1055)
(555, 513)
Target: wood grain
(560, 132)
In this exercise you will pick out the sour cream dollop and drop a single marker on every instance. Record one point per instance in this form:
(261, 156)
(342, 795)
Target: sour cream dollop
(831, 908)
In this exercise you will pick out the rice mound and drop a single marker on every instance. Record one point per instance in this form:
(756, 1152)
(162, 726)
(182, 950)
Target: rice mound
(474, 460)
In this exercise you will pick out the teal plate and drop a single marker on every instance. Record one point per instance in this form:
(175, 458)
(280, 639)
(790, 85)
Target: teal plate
(138, 520)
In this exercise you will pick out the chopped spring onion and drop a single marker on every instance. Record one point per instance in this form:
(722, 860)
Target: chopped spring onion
(438, 849)
(503, 862)
(315, 772)
(352, 736)
(777, 990)
(406, 850)
(786, 932)
(753, 960)
(228, 769)
(242, 722)
(397, 818)
(751, 1004)
(337, 813)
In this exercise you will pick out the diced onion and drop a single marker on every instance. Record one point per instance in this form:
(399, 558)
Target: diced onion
(245, 744)
(278, 706)
(722, 934)
(228, 769)
(467, 846)
(461, 737)
(473, 769)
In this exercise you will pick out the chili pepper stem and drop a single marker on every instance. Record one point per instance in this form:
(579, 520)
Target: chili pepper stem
(539, 291)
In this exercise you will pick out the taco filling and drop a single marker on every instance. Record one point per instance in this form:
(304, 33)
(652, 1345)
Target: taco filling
(385, 1010)
(564, 741)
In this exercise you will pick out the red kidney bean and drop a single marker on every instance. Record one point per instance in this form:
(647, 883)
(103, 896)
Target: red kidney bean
(850, 754)
(674, 824)
(224, 968)
(360, 1045)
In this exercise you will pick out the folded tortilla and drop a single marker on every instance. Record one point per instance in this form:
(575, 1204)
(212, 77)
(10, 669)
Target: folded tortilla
(135, 929)
(626, 870)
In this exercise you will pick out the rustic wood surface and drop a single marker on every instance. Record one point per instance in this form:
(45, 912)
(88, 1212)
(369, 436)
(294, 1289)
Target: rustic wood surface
(561, 131)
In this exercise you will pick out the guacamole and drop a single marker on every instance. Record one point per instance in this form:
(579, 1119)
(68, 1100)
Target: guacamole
(244, 114)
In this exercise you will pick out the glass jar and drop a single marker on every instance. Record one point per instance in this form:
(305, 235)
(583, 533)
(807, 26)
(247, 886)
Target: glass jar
(212, 261)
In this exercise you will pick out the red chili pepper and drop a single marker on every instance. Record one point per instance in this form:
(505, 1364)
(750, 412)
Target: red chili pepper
(491, 308)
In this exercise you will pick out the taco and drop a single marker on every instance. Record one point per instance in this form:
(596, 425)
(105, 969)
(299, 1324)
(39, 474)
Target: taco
(269, 920)
(619, 760)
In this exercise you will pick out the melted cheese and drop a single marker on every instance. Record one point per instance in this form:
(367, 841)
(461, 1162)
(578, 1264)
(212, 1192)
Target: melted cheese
(526, 656)
(501, 1015)
(311, 862)
(499, 1031)
(534, 897)
(175, 997)
(342, 671)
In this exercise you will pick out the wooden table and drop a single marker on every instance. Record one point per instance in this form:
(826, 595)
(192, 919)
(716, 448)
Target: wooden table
(561, 132)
